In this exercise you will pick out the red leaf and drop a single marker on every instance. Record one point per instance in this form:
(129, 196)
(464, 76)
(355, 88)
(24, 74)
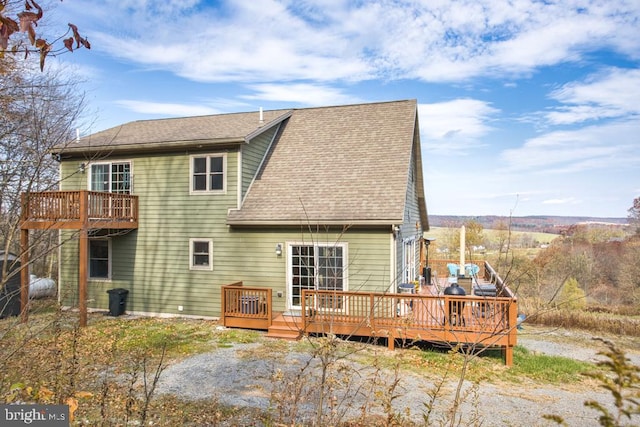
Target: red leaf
(32, 34)
(8, 25)
(86, 43)
(68, 43)
(36, 5)
(26, 19)
(76, 34)
(44, 51)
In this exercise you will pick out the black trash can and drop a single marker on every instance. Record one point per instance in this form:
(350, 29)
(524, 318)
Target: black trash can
(10, 299)
(117, 301)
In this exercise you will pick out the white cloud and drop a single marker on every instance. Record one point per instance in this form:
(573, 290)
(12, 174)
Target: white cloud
(612, 93)
(271, 40)
(613, 145)
(166, 109)
(301, 93)
(568, 200)
(454, 126)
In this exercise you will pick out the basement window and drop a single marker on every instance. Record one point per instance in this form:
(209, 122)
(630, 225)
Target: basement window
(100, 259)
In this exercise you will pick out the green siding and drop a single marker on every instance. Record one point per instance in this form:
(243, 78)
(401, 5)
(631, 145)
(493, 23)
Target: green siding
(253, 155)
(152, 262)
(411, 217)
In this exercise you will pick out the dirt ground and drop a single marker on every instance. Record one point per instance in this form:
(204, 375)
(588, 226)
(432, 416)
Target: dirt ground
(243, 376)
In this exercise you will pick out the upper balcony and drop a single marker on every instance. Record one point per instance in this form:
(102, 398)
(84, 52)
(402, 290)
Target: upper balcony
(81, 209)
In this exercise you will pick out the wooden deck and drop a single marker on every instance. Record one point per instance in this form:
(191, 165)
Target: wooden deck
(76, 210)
(429, 315)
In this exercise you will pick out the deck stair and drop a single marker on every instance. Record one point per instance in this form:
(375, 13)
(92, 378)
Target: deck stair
(286, 326)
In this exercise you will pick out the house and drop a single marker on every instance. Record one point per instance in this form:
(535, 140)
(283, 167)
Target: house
(311, 198)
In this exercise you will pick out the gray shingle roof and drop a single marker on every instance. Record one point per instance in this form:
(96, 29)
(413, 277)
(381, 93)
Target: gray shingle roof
(138, 135)
(330, 165)
(336, 165)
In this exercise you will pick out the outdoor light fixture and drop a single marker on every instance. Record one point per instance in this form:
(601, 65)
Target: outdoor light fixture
(278, 249)
(81, 167)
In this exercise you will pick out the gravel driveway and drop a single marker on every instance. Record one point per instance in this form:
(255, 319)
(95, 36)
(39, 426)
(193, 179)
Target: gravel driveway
(236, 376)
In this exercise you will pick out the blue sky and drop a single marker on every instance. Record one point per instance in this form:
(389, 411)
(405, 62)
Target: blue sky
(525, 107)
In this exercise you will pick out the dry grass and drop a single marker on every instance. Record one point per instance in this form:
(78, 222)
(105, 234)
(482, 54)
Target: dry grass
(600, 321)
(102, 369)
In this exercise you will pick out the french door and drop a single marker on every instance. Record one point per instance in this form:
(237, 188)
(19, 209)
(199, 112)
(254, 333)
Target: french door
(317, 267)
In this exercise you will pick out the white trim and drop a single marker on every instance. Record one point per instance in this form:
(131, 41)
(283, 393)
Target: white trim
(109, 260)
(261, 165)
(200, 267)
(239, 179)
(289, 266)
(225, 171)
(89, 165)
(392, 260)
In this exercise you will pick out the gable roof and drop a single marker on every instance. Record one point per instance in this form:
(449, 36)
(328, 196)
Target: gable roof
(345, 165)
(165, 134)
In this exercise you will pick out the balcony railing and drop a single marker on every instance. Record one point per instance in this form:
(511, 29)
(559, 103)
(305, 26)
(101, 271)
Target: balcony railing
(78, 209)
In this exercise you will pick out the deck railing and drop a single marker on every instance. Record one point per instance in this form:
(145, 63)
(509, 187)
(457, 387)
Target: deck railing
(246, 307)
(70, 209)
(486, 272)
(472, 320)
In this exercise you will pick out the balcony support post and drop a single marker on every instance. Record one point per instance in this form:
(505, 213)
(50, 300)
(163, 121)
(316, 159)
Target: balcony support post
(83, 255)
(24, 275)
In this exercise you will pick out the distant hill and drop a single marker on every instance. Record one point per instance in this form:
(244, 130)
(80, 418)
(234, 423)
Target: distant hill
(541, 223)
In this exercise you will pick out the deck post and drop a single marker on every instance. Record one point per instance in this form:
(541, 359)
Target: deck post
(303, 309)
(507, 355)
(269, 306)
(512, 323)
(83, 255)
(82, 276)
(24, 274)
(391, 340)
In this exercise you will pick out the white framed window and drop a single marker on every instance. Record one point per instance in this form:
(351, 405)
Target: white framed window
(113, 177)
(200, 254)
(100, 258)
(208, 173)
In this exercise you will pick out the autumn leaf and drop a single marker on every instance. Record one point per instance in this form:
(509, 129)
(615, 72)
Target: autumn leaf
(44, 51)
(73, 406)
(68, 43)
(78, 38)
(44, 395)
(27, 19)
(83, 394)
(32, 35)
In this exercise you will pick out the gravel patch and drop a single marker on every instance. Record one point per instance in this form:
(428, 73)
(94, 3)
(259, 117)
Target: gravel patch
(244, 376)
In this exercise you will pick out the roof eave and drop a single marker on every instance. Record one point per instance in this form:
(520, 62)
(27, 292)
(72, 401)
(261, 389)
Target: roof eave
(309, 221)
(142, 148)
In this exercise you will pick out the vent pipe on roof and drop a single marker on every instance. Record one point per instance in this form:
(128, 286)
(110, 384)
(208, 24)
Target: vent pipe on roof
(261, 117)
(77, 135)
